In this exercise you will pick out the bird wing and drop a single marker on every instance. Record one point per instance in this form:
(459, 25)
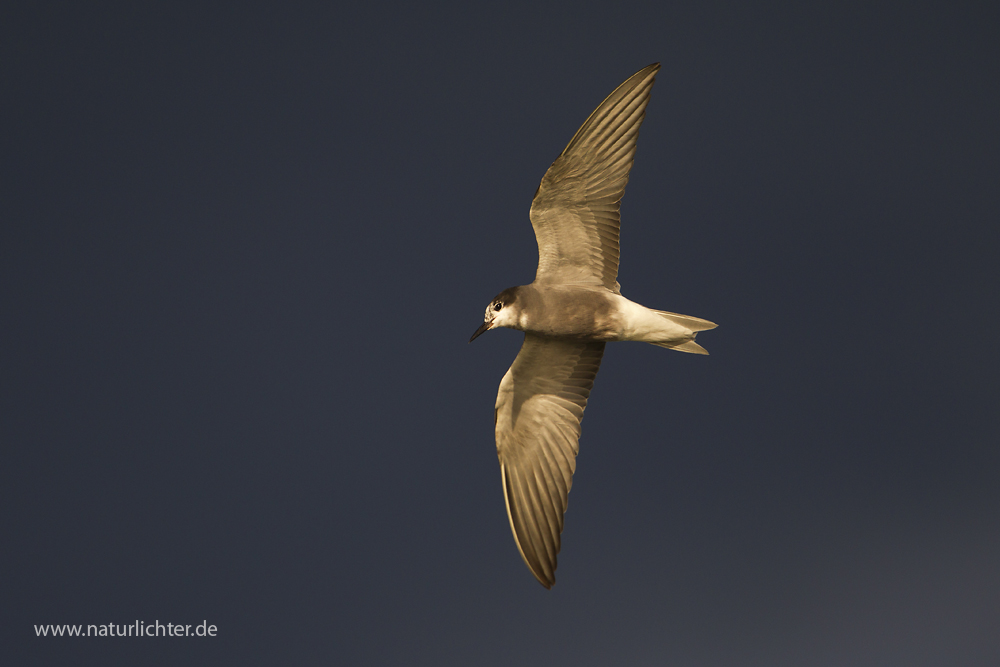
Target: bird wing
(538, 412)
(575, 211)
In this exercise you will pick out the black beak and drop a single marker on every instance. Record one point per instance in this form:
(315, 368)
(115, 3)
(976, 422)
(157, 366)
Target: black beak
(480, 331)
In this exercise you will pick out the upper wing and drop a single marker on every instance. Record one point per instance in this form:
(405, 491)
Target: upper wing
(575, 211)
(538, 413)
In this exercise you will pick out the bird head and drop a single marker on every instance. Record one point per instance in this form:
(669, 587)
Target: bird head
(501, 312)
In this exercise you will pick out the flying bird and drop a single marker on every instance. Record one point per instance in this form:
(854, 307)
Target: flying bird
(573, 307)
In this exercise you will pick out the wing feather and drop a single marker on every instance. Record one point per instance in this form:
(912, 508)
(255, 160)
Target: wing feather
(575, 212)
(539, 407)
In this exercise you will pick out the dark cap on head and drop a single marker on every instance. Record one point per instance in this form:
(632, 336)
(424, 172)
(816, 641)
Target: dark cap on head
(508, 296)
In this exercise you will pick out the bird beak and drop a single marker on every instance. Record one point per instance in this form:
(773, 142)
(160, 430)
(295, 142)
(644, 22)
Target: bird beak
(481, 330)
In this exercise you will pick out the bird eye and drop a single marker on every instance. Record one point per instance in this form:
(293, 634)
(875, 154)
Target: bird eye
(497, 306)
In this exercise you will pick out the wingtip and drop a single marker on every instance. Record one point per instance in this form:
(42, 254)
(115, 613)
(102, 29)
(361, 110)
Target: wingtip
(548, 583)
(649, 69)
(646, 74)
(547, 580)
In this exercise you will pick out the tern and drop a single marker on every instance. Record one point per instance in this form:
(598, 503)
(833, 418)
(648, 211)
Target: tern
(573, 307)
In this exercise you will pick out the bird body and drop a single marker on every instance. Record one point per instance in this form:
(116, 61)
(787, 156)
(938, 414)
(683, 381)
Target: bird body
(571, 310)
(588, 313)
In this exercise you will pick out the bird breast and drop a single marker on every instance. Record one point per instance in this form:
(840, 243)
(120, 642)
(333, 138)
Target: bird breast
(565, 312)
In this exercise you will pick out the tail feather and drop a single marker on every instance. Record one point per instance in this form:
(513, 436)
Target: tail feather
(689, 346)
(688, 322)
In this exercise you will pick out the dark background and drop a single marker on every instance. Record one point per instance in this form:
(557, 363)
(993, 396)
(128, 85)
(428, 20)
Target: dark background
(243, 248)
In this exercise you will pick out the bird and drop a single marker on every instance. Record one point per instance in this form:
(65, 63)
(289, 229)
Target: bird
(568, 313)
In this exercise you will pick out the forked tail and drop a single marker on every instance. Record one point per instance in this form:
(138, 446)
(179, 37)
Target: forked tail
(694, 324)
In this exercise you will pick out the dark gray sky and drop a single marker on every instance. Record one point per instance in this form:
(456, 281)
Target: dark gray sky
(242, 251)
